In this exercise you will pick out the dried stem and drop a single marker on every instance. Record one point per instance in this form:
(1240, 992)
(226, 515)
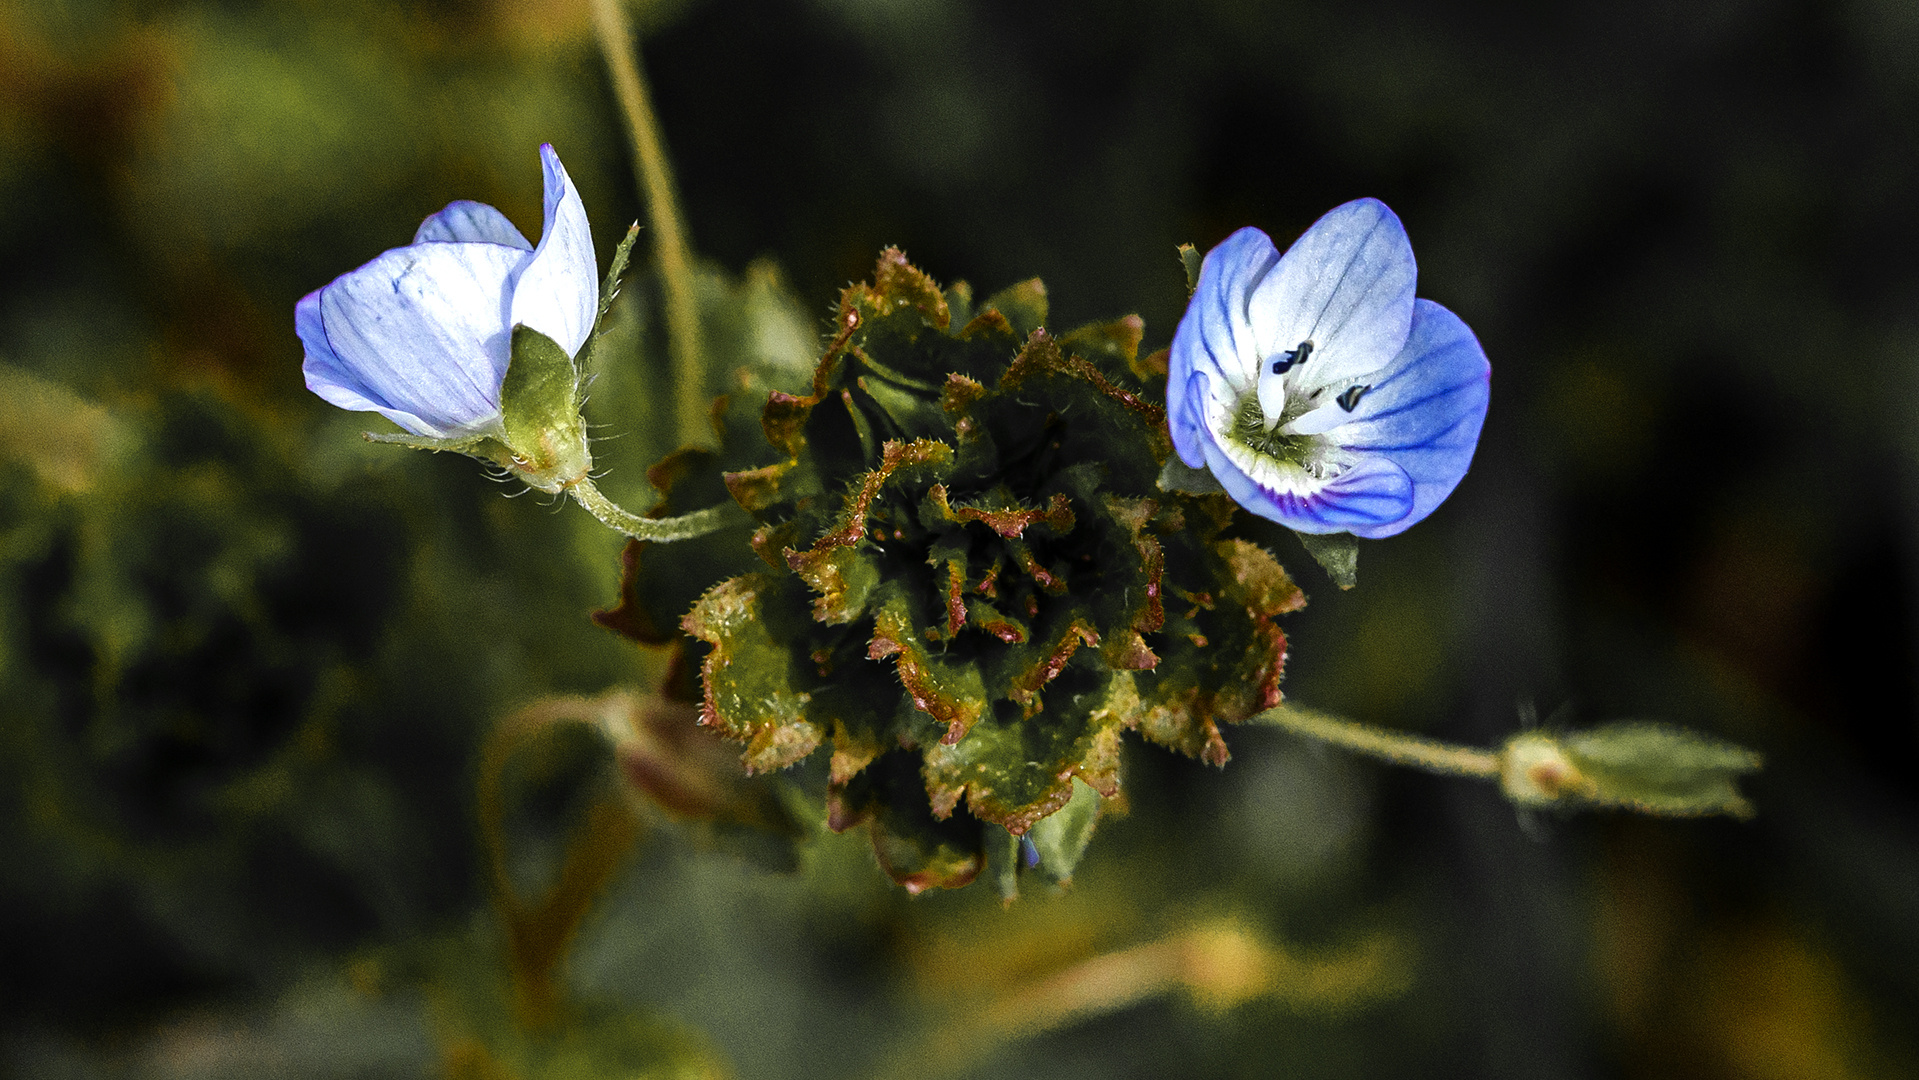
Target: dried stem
(663, 211)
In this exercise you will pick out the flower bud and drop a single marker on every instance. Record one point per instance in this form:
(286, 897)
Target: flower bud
(1651, 768)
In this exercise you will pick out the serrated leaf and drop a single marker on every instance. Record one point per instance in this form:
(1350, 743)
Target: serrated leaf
(917, 849)
(1024, 305)
(1221, 661)
(1013, 772)
(1028, 588)
(749, 677)
(949, 691)
(1336, 553)
(899, 284)
(1116, 342)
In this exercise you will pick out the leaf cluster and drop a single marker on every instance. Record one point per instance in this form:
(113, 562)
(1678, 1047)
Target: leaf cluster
(969, 581)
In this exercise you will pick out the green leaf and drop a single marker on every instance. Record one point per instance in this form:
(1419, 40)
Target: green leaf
(1181, 477)
(1336, 553)
(749, 677)
(1062, 836)
(917, 850)
(980, 580)
(1024, 305)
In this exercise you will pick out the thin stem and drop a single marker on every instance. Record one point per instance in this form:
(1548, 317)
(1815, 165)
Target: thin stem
(1432, 755)
(662, 530)
(663, 211)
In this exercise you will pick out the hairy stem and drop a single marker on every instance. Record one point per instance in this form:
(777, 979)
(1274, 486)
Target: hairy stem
(661, 530)
(1432, 755)
(663, 211)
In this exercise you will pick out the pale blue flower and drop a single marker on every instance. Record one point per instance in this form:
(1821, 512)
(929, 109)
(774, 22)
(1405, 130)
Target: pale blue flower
(1313, 385)
(423, 334)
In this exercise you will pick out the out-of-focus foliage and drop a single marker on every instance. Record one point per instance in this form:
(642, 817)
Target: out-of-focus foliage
(1684, 234)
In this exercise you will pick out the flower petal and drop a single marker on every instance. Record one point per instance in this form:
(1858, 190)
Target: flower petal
(1185, 418)
(558, 292)
(330, 377)
(1426, 410)
(1214, 336)
(465, 221)
(1346, 285)
(420, 333)
(1372, 494)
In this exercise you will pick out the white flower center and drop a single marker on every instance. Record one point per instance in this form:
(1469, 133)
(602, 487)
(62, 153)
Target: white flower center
(1277, 431)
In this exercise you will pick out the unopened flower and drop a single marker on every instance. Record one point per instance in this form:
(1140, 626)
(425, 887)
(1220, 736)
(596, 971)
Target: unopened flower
(1315, 388)
(423, 334)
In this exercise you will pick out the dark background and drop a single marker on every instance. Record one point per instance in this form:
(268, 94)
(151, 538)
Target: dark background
(242, 683)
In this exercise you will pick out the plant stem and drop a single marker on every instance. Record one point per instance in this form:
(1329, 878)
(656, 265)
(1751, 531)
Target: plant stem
(662, 530)
(663, 211)
(1432, 755)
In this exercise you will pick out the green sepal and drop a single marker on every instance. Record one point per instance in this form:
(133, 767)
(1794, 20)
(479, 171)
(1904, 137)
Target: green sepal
(487, 448)
(1061, 837)
(1183, 478)
(1190, 258)
(540, 412)
(1660, 769)
(471, 445)
(541, 390)
(1336, 553)
(614, 272)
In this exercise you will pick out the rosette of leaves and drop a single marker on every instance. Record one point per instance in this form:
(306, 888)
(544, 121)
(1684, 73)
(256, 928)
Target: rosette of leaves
(968, 581)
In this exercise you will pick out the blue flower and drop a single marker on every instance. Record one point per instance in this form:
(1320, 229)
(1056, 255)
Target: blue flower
(1314, 386)
(423, 334)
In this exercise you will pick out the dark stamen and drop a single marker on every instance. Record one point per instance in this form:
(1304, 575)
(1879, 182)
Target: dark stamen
(1349, 399)
(1297, 356)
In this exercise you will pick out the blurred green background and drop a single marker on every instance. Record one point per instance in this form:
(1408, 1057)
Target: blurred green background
(247, 661)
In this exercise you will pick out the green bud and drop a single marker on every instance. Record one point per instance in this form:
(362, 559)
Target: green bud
(1651, 768)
